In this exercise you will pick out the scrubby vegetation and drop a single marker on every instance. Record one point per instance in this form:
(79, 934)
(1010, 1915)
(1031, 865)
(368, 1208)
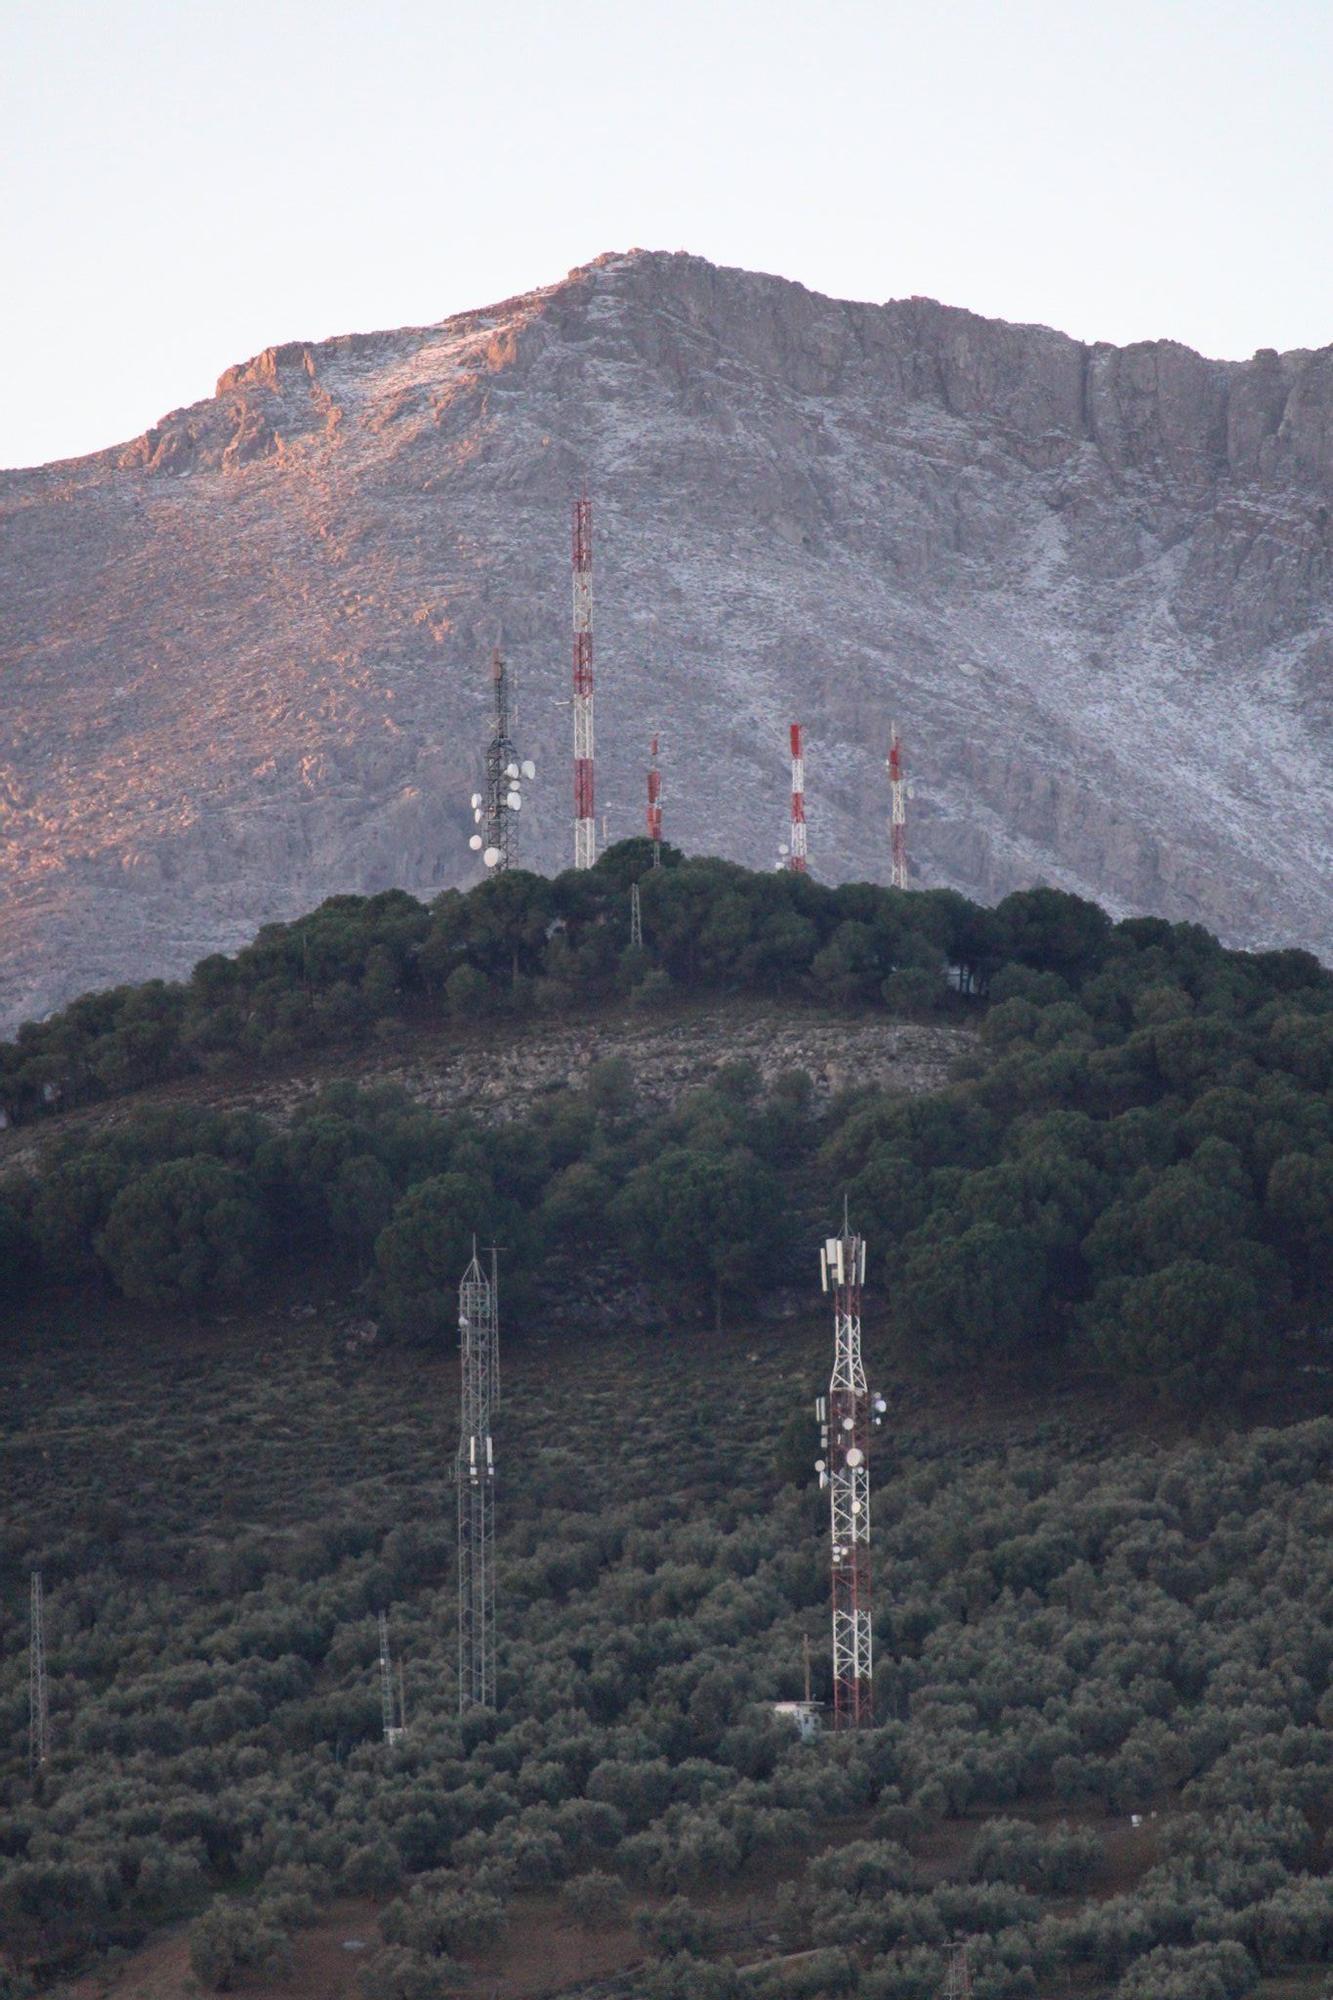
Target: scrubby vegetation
(1070, 1629)
(1103, 1751)
(1136, 1175)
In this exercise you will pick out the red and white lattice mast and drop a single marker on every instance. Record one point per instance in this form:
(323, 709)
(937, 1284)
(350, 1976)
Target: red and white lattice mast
(654, 814)
(898, 814)
(796, 853)
(846, 1416)
(585, 819)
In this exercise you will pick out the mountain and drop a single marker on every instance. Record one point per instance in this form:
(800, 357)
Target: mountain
(245, 656)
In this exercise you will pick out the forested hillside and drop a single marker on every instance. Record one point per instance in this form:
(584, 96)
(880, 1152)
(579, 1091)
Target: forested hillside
(1098, 1306)
(1134, 1170)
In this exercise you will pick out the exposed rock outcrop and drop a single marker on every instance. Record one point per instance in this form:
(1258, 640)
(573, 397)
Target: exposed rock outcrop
(245, 656)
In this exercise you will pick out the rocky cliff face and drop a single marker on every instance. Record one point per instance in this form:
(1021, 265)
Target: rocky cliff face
(245, 656)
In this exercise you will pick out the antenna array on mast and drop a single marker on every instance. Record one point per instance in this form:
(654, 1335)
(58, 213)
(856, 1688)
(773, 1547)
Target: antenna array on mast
(39, 1720)
(585, 812)
(495, 811)
(845, 1418)
(479, 1344)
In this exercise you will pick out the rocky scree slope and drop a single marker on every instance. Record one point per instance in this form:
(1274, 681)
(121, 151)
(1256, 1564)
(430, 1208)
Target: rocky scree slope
(245, 656)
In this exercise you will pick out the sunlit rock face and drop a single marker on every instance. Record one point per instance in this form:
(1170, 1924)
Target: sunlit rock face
(245, 657)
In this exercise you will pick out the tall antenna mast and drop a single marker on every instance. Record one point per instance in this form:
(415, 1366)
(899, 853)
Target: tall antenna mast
(655, 805)
(494, 810)
(796, 858)
(635, 917)
(392, 1729)
(898, 819)
(39, 1720)
(958, 1979)
(845, 1421)
(585, 812)
(478, 1337)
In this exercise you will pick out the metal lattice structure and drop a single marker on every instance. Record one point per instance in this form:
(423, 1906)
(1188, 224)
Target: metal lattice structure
(585, 810)
(495, 811)
(654, 815)
(796, 854)
(39, 1719)
(958, 1977)
(898, 818)
(394, 1718)
(500, 828)
(635, 917)
(479, 1344)
(845, 1418)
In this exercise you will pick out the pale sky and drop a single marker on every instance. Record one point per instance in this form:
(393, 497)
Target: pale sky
(188, 181)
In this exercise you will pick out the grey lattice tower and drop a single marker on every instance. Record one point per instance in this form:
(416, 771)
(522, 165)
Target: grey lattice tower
(846, 1417)
(479, 1345)
(394, 1716)
(39, 1723)
(958, 1978)
(496, 810)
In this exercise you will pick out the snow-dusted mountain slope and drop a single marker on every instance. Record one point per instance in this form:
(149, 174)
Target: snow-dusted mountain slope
(245, 657)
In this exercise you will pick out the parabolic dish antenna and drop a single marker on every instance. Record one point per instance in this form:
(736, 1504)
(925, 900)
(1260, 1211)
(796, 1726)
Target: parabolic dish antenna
(855, 1457)
(476, 798)
(491, 856)
(514, 800)
(475, 843)
(529, 768)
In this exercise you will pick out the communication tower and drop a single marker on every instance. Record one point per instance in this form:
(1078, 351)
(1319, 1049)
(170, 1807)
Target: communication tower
(393, 1729)
(846, 1416)
(494, 811)
(585, 812)
(655, 805)
(635, 917)
(898, 817)
(39, 1720)
(479, 1344)
(958, 1977)
(796, 852)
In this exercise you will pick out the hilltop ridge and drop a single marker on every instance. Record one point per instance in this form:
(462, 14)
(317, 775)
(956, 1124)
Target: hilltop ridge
(245, 653)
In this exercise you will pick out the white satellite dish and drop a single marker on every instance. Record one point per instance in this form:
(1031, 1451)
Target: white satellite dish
(782, 847)
(511, 770)
(477, 816)
(514, 801)
(529, 768)
(475, 843)
(476, 798)
(855, 1457)
(491, 856)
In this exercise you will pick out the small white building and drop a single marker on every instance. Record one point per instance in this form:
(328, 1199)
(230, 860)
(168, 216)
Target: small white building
(805, 1717)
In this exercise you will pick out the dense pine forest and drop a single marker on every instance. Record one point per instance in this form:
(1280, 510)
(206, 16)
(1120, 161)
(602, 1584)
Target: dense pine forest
(1101, 1260)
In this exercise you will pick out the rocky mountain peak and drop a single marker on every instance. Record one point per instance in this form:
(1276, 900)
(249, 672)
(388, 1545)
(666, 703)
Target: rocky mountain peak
(245, 654)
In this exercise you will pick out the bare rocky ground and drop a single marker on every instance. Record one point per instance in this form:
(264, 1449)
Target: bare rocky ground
(245, 656)
(498, 1073)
